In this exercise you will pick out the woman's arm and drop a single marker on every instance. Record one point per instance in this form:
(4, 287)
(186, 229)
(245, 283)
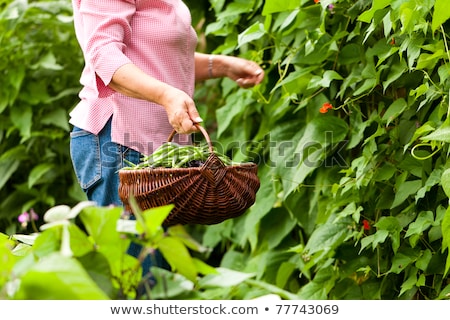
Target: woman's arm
(246, 73)
(133, 82)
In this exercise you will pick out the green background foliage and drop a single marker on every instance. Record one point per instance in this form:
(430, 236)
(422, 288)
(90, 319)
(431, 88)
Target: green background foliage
(353, 202)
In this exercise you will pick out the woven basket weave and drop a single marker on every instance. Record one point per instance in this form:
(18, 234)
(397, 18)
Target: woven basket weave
(206, 195)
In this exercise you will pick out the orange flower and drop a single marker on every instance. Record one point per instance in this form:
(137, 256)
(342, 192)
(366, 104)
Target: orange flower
(366, 224)
(316, 1)
(325, 107)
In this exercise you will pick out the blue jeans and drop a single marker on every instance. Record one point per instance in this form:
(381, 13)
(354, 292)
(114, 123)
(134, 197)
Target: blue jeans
(96, 161)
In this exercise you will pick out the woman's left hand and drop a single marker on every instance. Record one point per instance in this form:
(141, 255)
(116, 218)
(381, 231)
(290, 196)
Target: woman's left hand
(246, 73)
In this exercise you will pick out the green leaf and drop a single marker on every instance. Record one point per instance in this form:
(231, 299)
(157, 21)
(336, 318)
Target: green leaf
(294, 78)
(308, 150)
(56, 118)
(179, 232)
(396, 71)
(154, 218)
(254, 32)
(99, 270)
(8, 259)
(56, 277)
(235, 105)
(392, 225)
(367, 16)
(79, 241)
(100, 224)
(266, 198)
(394, 110)
(400, 262)
(374, 239)
(405, 190)
(48, 61)
(225, 278)
(350, 53)
(446, 238)
(367, 86)
(327, 237)
(272, 6)
(169, 285)
(441, 13)
(38, 172)
(424, 260)
(415, 229)
(440, 134)
(410, 282)
(445, 182)
(22, 118)
(313, 291)
(7, 169)
(178, 257)
(325, 81)
(203, 268)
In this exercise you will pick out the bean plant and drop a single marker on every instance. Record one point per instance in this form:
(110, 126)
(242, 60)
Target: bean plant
(39, 82)
(349, 129)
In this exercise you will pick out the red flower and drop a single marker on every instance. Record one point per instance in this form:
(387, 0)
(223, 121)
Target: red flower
(325, 107)
(316, 1)
(366, 224)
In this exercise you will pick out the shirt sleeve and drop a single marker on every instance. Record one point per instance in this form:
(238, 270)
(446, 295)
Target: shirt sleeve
(105, 31)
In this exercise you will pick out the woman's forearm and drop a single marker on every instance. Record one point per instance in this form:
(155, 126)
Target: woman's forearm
(181, 111)
(133, 82)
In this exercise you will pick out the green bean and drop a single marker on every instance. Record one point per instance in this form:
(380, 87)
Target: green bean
(173, 155)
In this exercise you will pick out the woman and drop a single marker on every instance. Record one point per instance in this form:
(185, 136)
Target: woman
(138, 82)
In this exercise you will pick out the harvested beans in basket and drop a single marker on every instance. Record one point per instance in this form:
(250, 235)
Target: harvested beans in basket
(205, 187)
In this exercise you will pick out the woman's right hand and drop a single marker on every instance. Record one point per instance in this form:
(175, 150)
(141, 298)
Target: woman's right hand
(181, 110)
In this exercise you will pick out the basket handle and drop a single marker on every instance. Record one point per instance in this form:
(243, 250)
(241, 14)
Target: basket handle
(202, 130)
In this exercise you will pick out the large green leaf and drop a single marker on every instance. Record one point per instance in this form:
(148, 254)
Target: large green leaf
(327, 236)
(441, 13)
(38, 172)
(100, 224)
(308, 150)
(178, 257)
(56, 277)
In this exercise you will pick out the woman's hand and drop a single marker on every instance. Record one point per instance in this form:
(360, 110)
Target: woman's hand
(246, 73)
(181, 110)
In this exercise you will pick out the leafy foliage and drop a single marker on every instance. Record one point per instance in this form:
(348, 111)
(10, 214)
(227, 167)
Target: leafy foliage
(40, 68)
(350, 130)
(354, 197)
(88, 259)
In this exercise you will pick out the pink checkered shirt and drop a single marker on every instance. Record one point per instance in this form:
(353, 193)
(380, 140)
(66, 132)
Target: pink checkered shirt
(155, 35)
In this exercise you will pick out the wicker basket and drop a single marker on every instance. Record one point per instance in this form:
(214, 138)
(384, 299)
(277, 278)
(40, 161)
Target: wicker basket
(206, 195)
